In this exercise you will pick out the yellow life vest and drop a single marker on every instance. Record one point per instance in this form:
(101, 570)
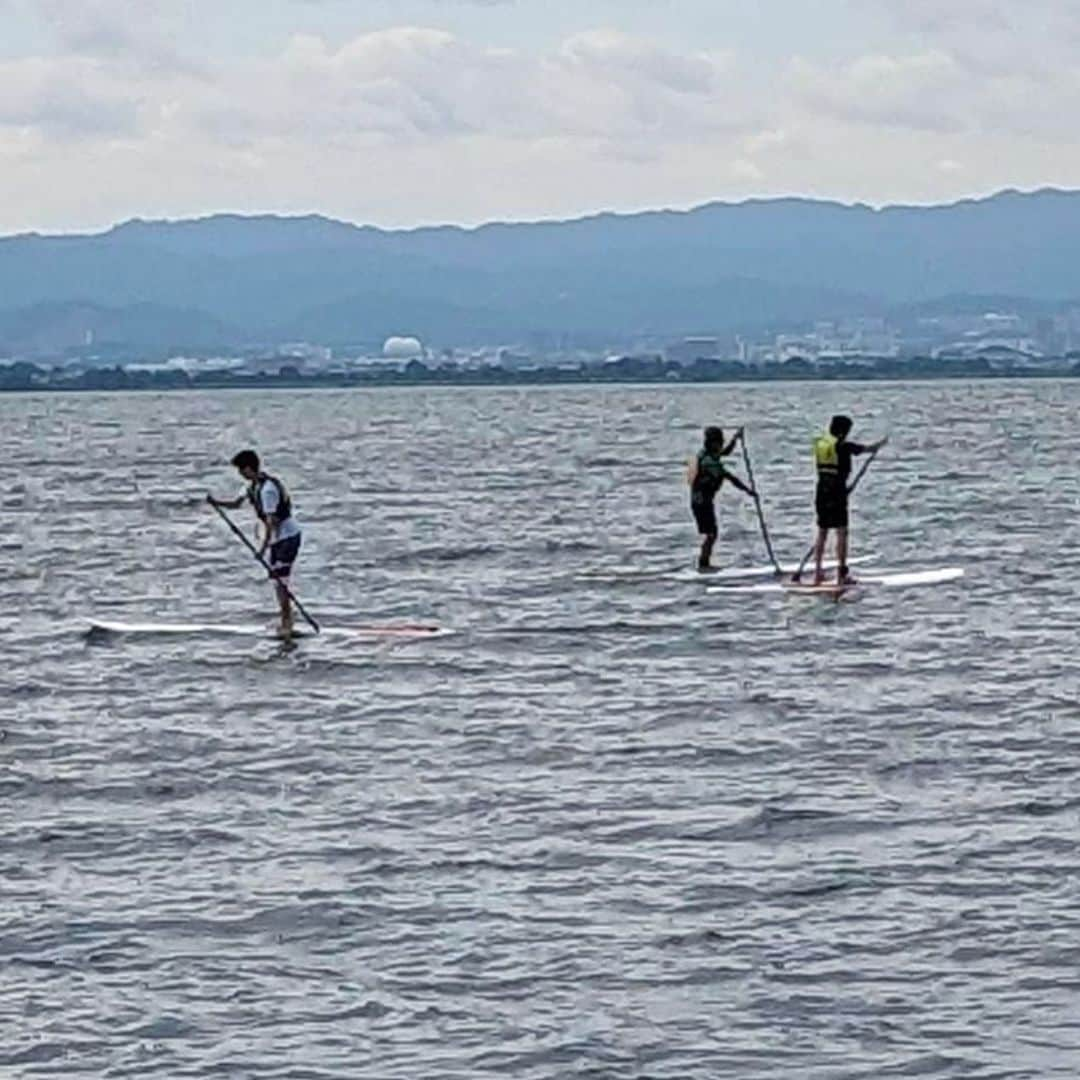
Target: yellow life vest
(825, 456)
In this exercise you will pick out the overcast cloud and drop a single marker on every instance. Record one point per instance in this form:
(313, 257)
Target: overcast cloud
(469, 110)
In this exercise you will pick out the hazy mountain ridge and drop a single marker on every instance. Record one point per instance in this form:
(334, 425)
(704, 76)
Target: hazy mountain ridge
(56, 327)
(718, 267)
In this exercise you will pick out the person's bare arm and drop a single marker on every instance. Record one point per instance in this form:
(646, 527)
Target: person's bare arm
(270, 520)
(744, 488)
(226, 504)
(867, 448)
(269, 531)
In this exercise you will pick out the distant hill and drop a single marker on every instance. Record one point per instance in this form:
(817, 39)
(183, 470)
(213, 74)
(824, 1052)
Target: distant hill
(720, 267)
(63, 325)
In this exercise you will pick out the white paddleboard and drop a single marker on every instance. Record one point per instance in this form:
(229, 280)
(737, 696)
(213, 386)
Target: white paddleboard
(401, 630)
(727, 572)
(719, 573)
(898, 580)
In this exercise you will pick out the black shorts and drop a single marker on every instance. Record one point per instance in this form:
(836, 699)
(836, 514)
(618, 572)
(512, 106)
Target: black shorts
(705, 515)
(282, 556)
(831, 504)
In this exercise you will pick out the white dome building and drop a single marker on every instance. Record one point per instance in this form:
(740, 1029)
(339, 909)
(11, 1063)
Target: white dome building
(402, 348)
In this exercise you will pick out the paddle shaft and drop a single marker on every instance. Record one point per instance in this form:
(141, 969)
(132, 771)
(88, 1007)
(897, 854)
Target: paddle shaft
(859, 475)
(757, 504)
(258, 555)
(851, 487)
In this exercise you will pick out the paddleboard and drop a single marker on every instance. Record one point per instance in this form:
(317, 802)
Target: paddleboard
(899, 580)
(725, 572)
(719, 573)
(409, 631)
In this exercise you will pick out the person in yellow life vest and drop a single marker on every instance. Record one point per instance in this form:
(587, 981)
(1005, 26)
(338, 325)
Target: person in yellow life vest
(832, 458)
(705, 475)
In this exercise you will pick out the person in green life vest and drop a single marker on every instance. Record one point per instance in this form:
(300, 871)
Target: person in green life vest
(832, 459)
(705, 475)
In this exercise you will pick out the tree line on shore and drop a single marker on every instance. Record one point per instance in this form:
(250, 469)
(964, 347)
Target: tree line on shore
(23, 375)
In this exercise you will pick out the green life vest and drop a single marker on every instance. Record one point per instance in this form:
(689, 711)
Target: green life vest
(710, 474)
(826, 457)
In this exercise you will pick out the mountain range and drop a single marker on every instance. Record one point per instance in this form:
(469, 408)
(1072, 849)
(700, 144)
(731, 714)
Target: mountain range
(227, 280)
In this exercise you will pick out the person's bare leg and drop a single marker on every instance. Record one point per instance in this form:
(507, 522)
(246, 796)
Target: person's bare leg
(707, 542)
(841, 556)
(285, 608)
(819, 554)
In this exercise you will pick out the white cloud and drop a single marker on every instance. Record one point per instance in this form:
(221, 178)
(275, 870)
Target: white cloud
(937, 91)
(366, 110)
(409, 123)
(73, 100)
(990, 38)
(765, 141)
(412, 83)
(964, 16)
(923, 91)
(140, 35)
(619, 88)
(746, 170)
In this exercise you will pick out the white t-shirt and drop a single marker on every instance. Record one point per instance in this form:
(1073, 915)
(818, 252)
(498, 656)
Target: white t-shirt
(268, 496)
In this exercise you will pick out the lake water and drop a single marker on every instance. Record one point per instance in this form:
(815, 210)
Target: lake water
(613, 826)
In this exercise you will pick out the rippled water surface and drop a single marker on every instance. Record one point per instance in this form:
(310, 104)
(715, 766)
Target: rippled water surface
(615, 825)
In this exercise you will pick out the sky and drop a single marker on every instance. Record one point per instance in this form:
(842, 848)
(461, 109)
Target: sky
(408, 112)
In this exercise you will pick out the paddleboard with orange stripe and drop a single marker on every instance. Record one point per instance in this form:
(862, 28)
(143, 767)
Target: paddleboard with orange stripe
(372, 632)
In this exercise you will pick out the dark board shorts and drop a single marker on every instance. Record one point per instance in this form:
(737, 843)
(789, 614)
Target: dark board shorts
(705, 515)
(831, 504)
(283, 555)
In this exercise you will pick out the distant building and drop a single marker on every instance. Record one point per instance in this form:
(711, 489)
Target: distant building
(402, 348)
(303, 350)
(691, 349)
(510, 359)
(790, 347)
(192, 365)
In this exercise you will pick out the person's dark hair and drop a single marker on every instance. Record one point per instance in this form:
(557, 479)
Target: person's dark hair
(714, 436)
(246, 459)
(840, 426)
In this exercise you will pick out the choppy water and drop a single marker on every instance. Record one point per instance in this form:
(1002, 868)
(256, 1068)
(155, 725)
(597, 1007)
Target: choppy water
(611, 827)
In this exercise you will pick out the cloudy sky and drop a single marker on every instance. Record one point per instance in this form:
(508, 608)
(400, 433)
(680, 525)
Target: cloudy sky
(402, 112)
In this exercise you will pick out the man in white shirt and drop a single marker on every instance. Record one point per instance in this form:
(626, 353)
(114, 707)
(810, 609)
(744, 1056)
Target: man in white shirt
(280, 533)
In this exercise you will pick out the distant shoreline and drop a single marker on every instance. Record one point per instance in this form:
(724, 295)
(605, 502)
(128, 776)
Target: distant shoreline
(23, 377)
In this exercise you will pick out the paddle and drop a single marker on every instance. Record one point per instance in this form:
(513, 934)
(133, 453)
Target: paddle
(255, 551)
(851, 487)
(757, 504)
